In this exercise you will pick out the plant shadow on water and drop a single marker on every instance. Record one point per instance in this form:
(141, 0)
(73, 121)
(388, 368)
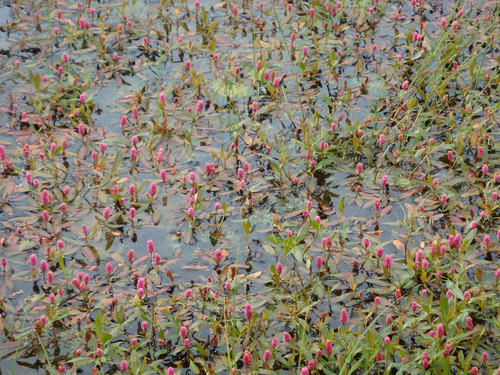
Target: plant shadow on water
(253, 187)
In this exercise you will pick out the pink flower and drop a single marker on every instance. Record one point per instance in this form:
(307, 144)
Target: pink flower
(247, 356)
(469, 323)
(449, 294)
(328, 348)
(45, 197)
(141, 283)
(279, 268)
(188, 293)
(267, 355)
(157, 259)
(150, 246)
(304, 371)
(381, 139)
(425, 363)
(131, 213)
(359, 168)
(109, 267)
(106, 213)
(366, 242)
(439, 331)
(447, 350)
(162, 99)
(287, 337)
(319, 262)
(144, 326)
(485, 169)
(183, 332)
(200, 105)
(218, 255)
(33, 260)
(397, 294)
(405, 85)
(163, 175)
(387, 262)
(384, 180)
(152, 189)
(487, 240)
(130, 255)
(484, 357)
(248, 311)
(123, 365)
(343, 316)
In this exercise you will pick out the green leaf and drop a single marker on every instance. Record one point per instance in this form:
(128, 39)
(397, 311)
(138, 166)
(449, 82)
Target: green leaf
(193, 367)
(103, 197)
(342, 204)
(98, 326)
(275, 169)
(61, 262)
(247, 226)
(118, 159)
(444, 307)
(303, 231)
(275, 240)
(107, 337)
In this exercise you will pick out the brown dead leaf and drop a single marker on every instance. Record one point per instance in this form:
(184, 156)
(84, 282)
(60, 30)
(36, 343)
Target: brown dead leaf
(399, 244)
